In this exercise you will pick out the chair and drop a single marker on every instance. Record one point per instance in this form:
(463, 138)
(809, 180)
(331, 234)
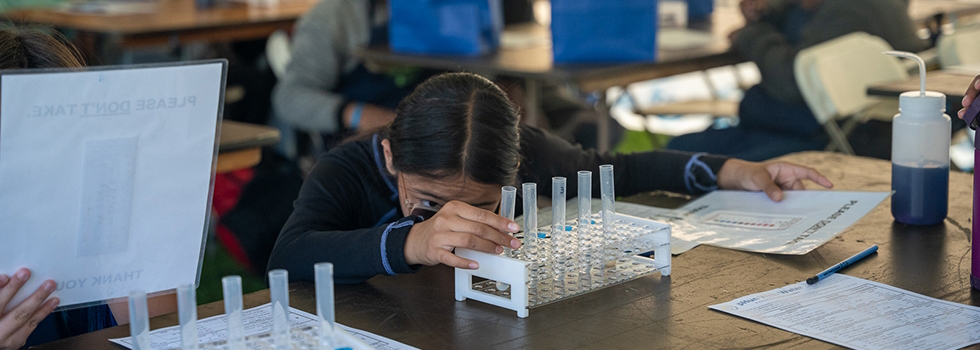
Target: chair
(961, 47)
(833, 78)
(278, 52)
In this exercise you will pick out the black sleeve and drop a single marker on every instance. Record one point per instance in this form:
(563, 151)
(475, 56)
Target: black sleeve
(327, 224)
(545, 155)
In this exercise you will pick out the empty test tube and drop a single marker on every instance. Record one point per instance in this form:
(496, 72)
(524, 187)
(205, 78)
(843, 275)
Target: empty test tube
(139, 320)
(323, 276)
(279, 293)
(607, 183)
(508, 199)
(232, 289)
(558, 235)
(584, 203)
(557, 205)
(187, 312)
(530, 216)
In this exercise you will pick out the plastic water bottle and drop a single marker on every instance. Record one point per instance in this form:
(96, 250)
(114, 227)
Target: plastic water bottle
(920, 154)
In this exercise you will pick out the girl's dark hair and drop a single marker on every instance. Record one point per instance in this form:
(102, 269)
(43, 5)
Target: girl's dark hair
(23, 48)
(456, 124)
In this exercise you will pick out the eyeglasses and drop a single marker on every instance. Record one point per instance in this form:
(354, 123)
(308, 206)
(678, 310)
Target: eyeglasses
(424, 208)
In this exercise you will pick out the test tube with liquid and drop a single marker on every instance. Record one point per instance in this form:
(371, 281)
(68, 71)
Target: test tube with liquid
(187, 312)
(279, 293)
(508, 199)
(232, 289)
(323, 276)
(531, 219)
(559, 237)
(139, 320)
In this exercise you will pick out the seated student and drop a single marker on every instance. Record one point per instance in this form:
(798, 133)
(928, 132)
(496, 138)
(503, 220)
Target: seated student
(773, 118)
(454, 142)
(23, 48)
(327, 88)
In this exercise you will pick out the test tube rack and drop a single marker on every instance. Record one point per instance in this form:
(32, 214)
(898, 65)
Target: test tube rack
(562, 264)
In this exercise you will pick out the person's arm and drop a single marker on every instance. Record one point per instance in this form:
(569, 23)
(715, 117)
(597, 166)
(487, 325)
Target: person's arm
(17, 325)
(331, 222)
(546, 155)
(320, 56)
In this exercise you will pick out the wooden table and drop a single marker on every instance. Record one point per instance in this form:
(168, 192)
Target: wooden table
(653, 312)
(953, 84)
(535, 64)
(240, 145)
(174, 22)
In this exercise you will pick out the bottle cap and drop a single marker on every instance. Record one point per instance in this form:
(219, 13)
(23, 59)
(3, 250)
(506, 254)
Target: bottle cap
(929, 103)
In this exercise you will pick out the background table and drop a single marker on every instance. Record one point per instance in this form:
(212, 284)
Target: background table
(653, 312)
(954, 85)
(240, 144)
(174, 22)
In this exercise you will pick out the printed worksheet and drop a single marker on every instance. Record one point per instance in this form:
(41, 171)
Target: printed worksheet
(750, 221)
(862, 314)
(257, 320)
(105, 176)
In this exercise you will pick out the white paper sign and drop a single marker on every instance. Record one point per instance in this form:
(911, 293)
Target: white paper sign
(105, 177)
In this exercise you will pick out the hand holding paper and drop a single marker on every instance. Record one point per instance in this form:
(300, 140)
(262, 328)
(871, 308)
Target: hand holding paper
(17, 324)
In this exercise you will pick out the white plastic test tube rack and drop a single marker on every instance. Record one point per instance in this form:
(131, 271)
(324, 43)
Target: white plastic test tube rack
(282, 336)
(566, 264)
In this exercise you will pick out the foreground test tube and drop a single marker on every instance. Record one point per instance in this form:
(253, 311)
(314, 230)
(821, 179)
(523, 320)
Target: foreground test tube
(279, 293)
(139, 320)
(232, 289)
(187, 312)
(323, 275)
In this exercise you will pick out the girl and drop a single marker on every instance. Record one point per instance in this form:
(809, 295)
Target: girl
(430, 182)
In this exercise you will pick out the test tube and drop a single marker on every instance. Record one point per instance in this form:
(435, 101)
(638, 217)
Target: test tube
(139, 320)
(530, 218)
(279, 293)
(558, 236)
(607, 183)
(232, 288)
(508, 199)
(187, 312)
(323, 276)
(557, 205)
(584, 204)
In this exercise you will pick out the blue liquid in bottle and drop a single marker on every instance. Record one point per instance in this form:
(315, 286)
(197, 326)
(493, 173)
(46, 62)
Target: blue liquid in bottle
(921, 194)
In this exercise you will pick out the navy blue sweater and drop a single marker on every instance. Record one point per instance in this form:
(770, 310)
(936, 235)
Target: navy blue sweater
(348, 213)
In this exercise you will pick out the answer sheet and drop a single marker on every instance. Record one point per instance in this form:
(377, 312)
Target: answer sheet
(257, 320)
(861, 314)
(750, 221)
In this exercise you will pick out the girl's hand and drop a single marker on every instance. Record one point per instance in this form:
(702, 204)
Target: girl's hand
(458, 224)
(772, 177)
(17, 324)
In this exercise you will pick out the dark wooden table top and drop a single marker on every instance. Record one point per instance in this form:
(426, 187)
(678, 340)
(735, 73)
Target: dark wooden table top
(952, 84)
(653, 312)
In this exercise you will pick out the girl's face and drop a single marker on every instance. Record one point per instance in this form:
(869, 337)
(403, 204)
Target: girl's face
(420, 195)
(423, 196)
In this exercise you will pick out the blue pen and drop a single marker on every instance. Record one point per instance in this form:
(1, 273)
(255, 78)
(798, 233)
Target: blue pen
(841, 265)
